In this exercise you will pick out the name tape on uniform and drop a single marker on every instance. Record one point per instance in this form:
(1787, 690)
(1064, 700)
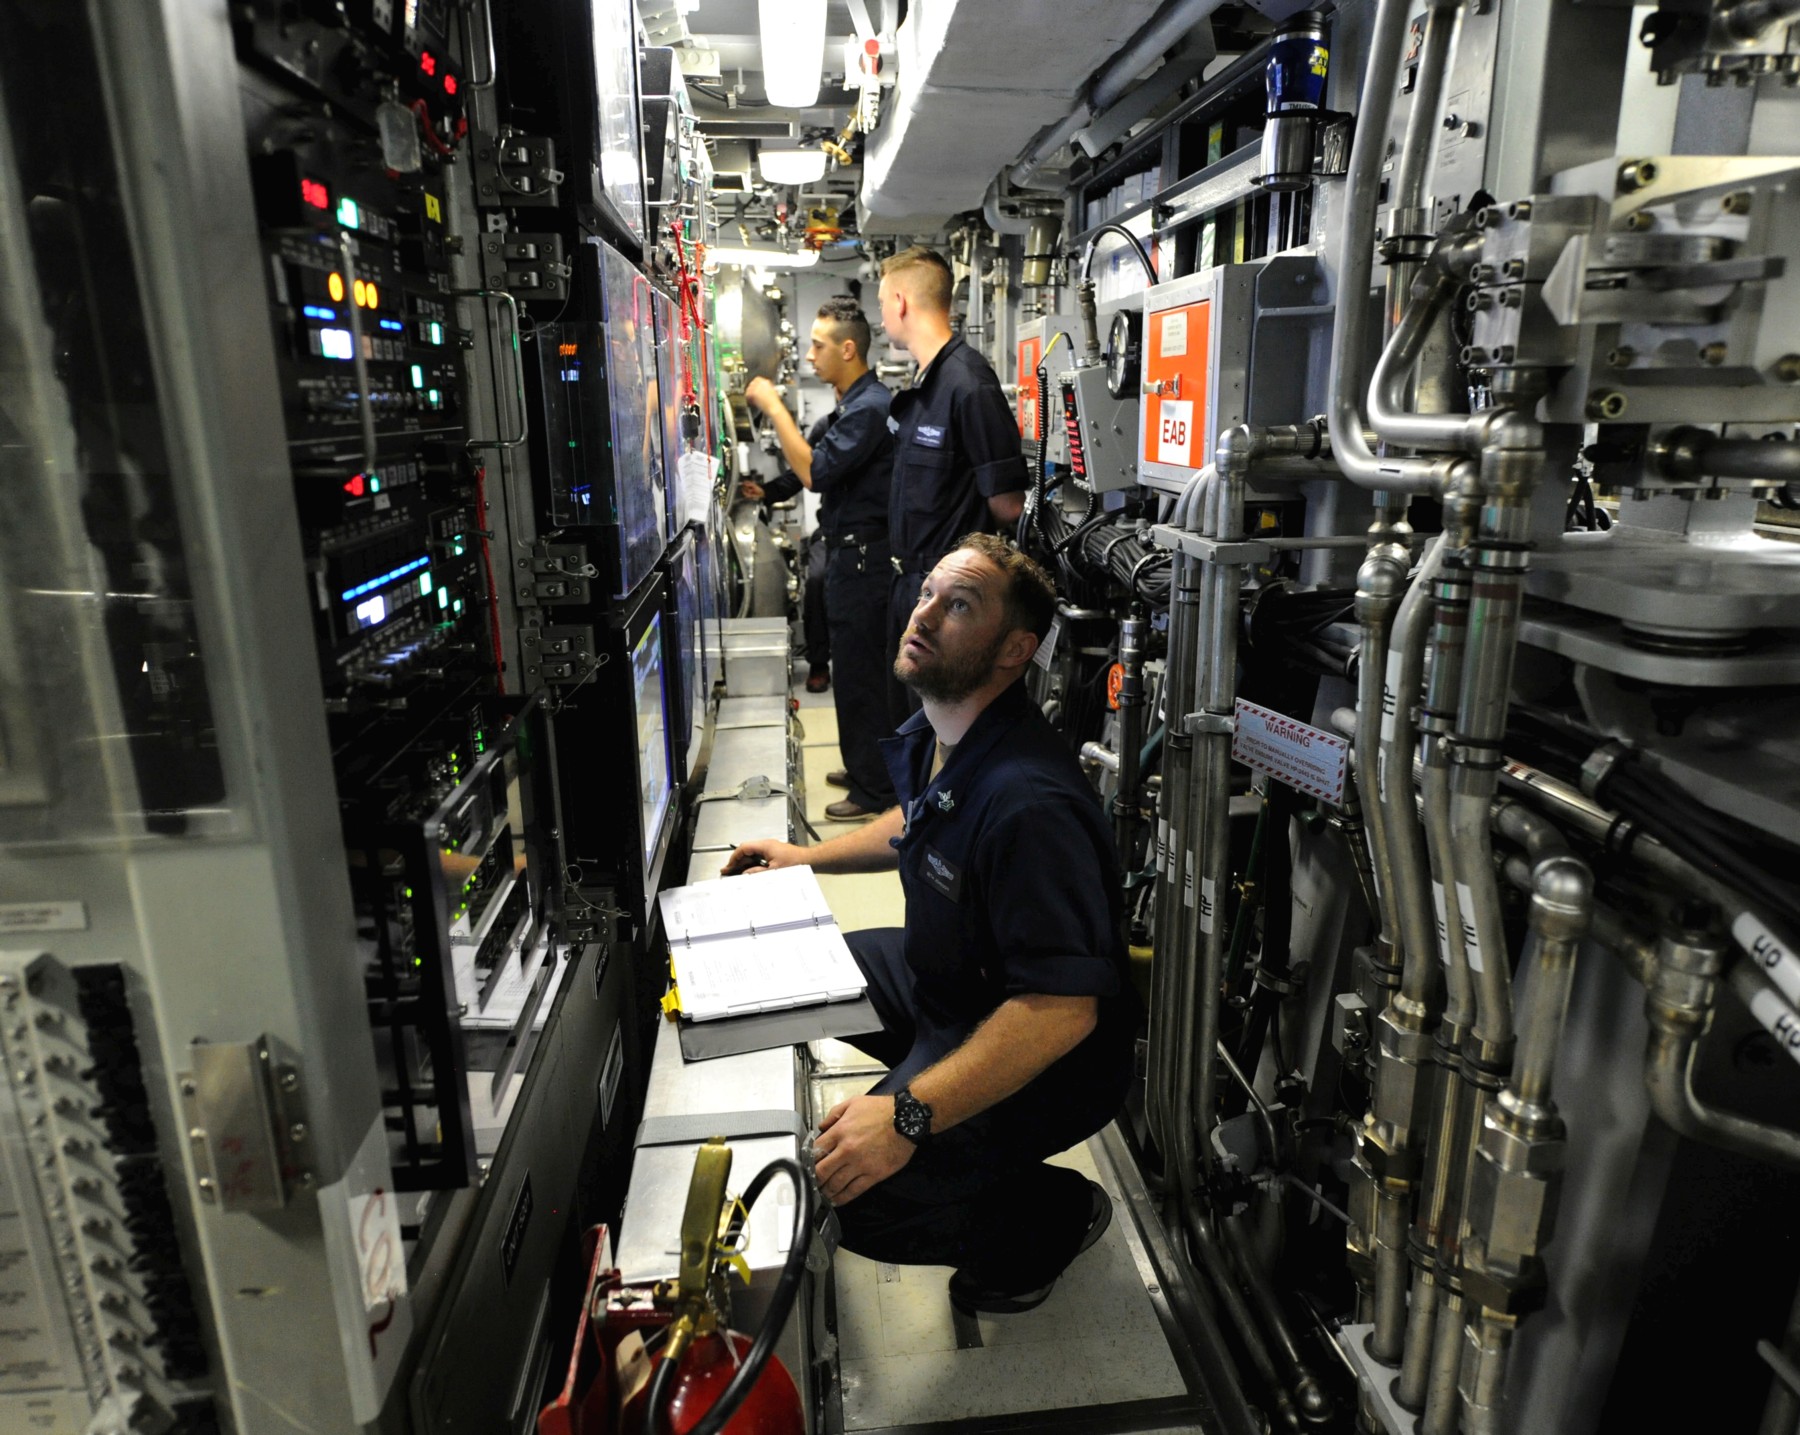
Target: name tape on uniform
(1304, 757)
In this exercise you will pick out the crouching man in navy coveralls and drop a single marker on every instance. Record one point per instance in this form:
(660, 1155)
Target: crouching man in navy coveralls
(1007, 1016)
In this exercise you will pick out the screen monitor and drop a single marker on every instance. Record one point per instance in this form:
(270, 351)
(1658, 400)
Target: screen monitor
(669, 390)
(602, 433)
(656, 764)
(618, 136)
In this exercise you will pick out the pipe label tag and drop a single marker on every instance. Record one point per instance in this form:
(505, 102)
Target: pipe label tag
(1465, 899)
(1443, 922)
(1208, 895)
(1777, 1018)
(1769, 952)
(1306, 758)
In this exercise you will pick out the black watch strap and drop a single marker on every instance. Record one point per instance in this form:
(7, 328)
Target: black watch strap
(912, 1117)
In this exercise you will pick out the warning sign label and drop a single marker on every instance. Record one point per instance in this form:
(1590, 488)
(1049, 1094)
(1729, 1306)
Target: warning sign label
(1304, 757)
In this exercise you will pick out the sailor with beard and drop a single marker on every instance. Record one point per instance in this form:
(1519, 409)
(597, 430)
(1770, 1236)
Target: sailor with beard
(1007, 1015)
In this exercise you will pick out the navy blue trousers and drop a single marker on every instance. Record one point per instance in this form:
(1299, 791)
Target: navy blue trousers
(979, 1196)
(856, 601)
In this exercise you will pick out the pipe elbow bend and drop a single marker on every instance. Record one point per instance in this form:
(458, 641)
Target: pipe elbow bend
(1562, 896)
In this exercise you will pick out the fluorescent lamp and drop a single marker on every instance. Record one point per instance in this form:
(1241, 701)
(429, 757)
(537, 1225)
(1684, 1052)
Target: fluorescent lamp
(763, 258)
(792, 166)
(793, 50)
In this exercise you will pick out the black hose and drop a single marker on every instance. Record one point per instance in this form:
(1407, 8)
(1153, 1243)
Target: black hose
(655, 1421)
(1137, 248)
(781, 1304)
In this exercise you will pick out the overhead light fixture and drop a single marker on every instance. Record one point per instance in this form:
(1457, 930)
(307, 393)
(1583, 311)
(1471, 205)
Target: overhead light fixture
(793, 50)
(761, 258)
(792, 166)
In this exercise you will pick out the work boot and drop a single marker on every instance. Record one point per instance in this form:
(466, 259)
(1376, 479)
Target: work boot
(971, 1298)
(847, 811)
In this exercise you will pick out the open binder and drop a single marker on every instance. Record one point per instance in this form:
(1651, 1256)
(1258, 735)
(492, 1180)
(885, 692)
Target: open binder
(759, 962)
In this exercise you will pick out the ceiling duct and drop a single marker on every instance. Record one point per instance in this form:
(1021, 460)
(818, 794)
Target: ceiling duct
(977, 81)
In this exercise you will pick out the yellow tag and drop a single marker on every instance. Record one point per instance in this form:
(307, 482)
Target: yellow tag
(738, 1264)
(1321, 57)
(433, 208)
(671, 1002)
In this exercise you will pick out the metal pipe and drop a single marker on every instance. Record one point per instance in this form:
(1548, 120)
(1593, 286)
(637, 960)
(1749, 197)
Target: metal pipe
(1483, 1384)
(1168, 972)
(1308, 1395)
(1691, 454)
(1114, 78)
(1437, 721)
(1132, 635)
(1443, 1401)
(1100, 755)
(1349, 334)
(1562, 902)
(1410, 220)
(1422, 132)
(997, 219)
(1405, 671)
(1684, 983)
(1781, 1412)
(1497, 559)
(1379, 582)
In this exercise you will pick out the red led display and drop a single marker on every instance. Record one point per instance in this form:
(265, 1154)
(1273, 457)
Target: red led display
(449, 84)
(355, 486)
(315, 194)
(428, 63)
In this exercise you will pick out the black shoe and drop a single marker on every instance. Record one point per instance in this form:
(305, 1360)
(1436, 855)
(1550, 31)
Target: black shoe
(838, 778)
(973, 1299)
(818, 680)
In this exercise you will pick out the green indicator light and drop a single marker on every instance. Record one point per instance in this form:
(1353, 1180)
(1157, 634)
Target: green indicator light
(437, 332)
(435, 396)
(443, 597)
(457, 606)
(425, 583)
(348, 214)
(571, 443)
(374, 485)
(406, 892)
(459, 550)
(418, 377)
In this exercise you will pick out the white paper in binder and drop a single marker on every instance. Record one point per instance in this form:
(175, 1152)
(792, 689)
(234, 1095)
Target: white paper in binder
(761, 943)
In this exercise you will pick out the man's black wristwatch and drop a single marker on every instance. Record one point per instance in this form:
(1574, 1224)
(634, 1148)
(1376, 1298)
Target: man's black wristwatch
(912, 1117)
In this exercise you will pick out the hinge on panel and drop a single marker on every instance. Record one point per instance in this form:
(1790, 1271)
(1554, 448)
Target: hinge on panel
(244, 1125)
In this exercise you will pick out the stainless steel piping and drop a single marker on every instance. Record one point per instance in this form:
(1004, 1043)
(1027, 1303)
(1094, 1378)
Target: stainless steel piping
(1169, 970)
(1410, 219)
(1405, 670)
(1683, 987)
(1512, 1203)
(1356, 256)
(1509, 470)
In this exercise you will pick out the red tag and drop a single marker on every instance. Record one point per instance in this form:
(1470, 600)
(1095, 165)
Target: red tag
(1115, 680)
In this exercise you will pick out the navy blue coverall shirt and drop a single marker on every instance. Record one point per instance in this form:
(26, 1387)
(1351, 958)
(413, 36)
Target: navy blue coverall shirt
(852, 465)
(956, 445)
(1012, 887)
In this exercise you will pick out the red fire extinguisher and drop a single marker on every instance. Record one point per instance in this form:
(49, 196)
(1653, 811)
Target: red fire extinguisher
(705, 1379)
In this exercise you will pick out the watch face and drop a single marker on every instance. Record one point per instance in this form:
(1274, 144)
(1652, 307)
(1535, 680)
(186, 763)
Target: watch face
(912, 1117)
